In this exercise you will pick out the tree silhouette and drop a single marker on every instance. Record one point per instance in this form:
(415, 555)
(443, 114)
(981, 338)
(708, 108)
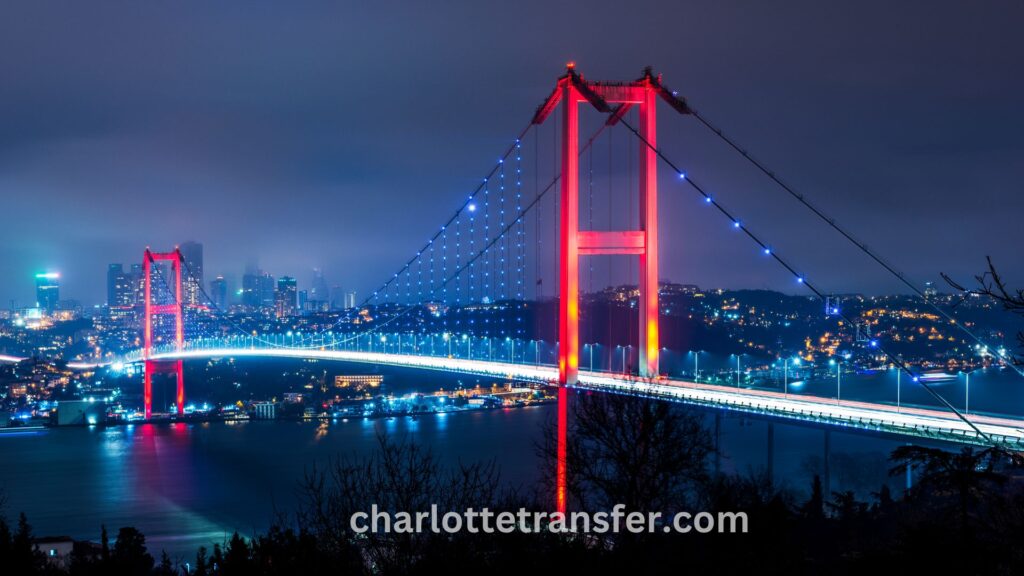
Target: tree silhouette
(25, 557)
(623, 449)
(957, 479)
(237, 558)
(814, 508)
(129, 556)
(166, 566)
(6, 539)
(400, 477)
(992, 285)
(202, 569)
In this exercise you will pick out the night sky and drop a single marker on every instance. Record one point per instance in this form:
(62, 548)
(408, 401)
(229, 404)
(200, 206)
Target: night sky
(341, 134)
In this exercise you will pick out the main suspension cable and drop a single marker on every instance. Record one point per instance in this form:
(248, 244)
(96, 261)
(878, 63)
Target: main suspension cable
(821, 215)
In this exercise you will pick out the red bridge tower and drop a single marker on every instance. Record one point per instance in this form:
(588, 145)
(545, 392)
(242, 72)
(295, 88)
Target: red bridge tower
(162, 366)
(572, 89)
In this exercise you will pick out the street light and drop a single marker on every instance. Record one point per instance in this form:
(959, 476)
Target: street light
(899, 373)
(785, 371)
(839, 372)
(967, 394)
(967, 390)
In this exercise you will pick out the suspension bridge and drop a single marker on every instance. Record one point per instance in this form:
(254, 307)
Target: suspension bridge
(511, 243)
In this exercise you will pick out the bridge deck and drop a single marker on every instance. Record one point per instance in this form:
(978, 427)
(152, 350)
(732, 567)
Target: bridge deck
(916, 422)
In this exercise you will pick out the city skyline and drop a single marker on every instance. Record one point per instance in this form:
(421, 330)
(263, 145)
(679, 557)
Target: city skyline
(233, 287)
(311, 174)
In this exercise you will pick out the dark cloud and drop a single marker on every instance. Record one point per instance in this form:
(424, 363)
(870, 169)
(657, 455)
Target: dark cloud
(340, 134)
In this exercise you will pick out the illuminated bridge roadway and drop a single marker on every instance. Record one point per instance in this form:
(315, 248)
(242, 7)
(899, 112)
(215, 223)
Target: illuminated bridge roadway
(903, 421)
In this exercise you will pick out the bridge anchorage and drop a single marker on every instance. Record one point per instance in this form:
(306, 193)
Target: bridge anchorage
(152, 366)
(614, 99)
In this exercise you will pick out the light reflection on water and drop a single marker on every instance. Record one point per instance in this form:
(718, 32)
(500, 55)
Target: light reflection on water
(186, 485)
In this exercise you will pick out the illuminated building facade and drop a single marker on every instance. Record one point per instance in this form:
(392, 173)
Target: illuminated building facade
(47, 291)
(286, 297)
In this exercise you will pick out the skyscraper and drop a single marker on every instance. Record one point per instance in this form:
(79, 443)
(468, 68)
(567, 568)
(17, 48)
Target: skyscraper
(251, 289)
(192, 273)
(47, 291)
(122, 287)
(337, 298)
(115, 273)
(267, 297)
(350, 300)
(319, 295)
(286, 296)
(138, 284)
(219, 292)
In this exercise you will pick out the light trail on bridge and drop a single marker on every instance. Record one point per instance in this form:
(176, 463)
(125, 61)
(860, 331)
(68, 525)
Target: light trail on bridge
(868, 416)
(71, 365)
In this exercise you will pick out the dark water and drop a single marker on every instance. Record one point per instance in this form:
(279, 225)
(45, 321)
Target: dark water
(186, 485)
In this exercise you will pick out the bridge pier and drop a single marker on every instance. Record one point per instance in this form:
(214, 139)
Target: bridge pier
(152, 367)
(827, 480)
(909, 477)
(718, 442)
(561, 471)
(770, 464)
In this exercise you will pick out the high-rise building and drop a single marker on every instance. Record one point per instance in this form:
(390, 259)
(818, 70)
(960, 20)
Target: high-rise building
(219, 292)
(350, 300)
(304, 302)
(266, 291)
(115, 273)
(337, 298)
(138, 284)
(124, 290)
(319, 295)
(192, 273)
(47, 291)
(285, 296)
(251, 290)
